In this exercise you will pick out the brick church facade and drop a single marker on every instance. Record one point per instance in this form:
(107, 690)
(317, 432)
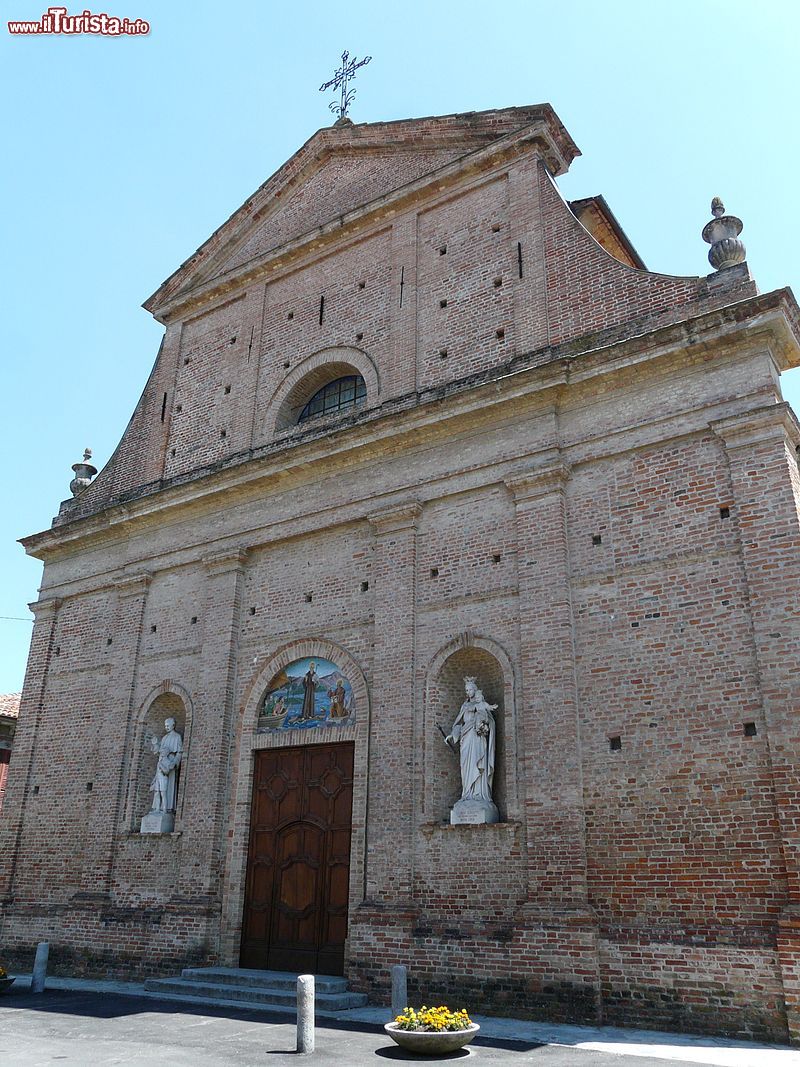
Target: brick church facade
(415, 418)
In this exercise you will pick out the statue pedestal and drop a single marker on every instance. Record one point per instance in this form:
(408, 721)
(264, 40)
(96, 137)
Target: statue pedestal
(473, 812)
(158, 822)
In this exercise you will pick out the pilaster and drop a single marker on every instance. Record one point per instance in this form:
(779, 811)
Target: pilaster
(212, 743)
(549, 743)
(115, 755)
(761, 448)
(390, 829)
(18, 786)
(403, 310)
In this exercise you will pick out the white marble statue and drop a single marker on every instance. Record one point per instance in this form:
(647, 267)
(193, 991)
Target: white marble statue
(474, 732)
(164, 786)
(165, 781)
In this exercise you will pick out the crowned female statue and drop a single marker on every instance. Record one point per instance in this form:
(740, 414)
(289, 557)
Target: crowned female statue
(474, 732)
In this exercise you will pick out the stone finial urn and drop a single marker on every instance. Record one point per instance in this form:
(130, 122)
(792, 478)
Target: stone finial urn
(84, 472)
(722, 233)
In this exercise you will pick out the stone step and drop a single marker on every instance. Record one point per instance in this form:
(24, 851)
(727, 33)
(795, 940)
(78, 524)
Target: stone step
(262, 996)
(241, 976)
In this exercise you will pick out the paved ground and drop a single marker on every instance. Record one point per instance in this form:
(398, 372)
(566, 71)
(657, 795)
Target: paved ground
(91, 1027)
(70, 1027)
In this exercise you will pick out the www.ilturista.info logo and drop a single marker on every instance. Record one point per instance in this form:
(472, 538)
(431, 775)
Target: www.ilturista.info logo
(56, 20)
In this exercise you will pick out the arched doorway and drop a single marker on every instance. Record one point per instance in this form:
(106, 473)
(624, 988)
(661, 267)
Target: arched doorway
(298, 884)
(295, 916)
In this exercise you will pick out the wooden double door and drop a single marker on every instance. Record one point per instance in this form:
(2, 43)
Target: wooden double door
(298, 865)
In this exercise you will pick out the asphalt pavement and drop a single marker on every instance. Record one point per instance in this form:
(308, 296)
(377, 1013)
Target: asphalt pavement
(90, 1029)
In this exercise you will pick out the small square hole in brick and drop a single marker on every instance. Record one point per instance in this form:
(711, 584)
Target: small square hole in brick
(749, 729)
(194, 620)
(434, 572)
(443, 250)
(227, 389)
(442, 353)
(362, 285)
(153, 628)
(364, 587)
(89, 787)
(309, 597)
(615, 744)
(597, 539)
(496, 557)
(223, 434)
(186, 362)
(233, 340)
(286, 364)
(57, 650)
(179, 407)
(496, 227)
(109, 640)
(442, 303)
(290, 316)
(359, 336)
(500, 335)
(36, 790)
(498, 282)
(252, 611)
(172, 452)
(725, 513)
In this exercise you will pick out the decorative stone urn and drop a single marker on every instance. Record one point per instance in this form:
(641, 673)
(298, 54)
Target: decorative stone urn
(722, 233)
(84, 472)
(429, 1042)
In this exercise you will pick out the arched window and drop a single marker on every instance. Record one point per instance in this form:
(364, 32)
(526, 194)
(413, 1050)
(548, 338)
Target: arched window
(337, 396)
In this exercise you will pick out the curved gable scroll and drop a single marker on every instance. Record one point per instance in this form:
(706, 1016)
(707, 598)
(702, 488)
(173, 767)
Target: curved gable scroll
(313, 373)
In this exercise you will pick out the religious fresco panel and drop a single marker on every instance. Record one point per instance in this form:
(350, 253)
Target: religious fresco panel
(307, 693)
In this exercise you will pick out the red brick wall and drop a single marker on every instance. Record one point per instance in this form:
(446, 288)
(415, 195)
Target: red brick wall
(562, 538)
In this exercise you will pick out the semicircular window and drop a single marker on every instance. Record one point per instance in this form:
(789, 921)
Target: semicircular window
(337, 396)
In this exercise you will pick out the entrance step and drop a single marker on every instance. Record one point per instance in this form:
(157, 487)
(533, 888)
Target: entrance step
(262, 988)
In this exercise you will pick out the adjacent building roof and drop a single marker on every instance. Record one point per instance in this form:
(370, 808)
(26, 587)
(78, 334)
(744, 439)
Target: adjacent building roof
(9, 705)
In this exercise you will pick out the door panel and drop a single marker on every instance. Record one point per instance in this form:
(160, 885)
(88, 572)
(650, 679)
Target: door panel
(295, 915)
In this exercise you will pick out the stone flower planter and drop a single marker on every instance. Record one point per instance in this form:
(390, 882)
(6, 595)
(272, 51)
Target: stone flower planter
(431, 1043)
(6, 984)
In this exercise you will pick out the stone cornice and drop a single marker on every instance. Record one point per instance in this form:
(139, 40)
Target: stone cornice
(777, 421)
(539, 481)
(132, 585)
(224, 562)
(45, 609)
(394, 519)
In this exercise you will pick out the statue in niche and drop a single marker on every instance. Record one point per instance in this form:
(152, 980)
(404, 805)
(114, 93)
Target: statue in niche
(164, 786)
(474, 731)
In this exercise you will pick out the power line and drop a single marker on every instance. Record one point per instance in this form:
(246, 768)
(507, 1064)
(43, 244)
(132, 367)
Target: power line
(14, 618)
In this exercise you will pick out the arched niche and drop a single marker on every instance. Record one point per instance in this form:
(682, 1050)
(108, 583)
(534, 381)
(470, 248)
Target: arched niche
(167, 700)
(487, 662)
(310, 375)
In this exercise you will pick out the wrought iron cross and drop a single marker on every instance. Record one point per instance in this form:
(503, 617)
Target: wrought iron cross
(339, 81)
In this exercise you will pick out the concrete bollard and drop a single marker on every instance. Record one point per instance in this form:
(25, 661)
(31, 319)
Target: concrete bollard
(40, 967)
(305, 1013)
(399, 988)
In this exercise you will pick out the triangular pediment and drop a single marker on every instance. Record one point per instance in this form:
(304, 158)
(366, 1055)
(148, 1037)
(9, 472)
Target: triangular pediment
(340, 169)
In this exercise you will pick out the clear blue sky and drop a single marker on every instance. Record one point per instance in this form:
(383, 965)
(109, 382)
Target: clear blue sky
(123, 154)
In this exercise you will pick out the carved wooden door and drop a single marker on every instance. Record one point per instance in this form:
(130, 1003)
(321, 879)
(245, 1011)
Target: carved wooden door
(298, 866)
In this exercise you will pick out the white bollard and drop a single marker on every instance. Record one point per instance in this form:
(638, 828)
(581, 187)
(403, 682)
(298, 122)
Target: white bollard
(305, 1013)
(40, 967)
(399, 988)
